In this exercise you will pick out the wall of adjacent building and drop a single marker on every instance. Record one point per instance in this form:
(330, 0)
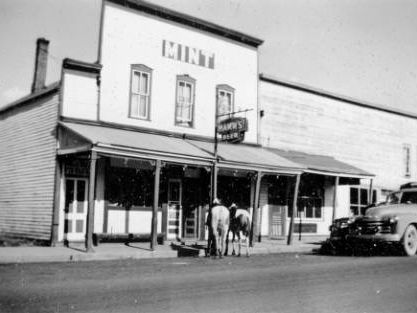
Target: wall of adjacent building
(27, 168)
(368, 138)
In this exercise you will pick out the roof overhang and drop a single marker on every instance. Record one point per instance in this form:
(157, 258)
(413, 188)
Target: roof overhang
(128, 143)
(322, 164)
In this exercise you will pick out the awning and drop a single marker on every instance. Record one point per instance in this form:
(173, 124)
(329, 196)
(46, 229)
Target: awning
(249, 157)
(321, 164)
(130, 143)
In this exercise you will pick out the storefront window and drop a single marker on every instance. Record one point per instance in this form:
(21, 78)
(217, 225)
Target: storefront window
(129, 187)
(310, 197)
(359, 199)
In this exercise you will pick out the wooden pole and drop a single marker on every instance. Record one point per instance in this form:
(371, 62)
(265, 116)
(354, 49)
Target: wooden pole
(370, 198)
(294, 208)
(214, 182)
(154, 230)
(336, 184)
(57, 197)
(255, 228)
(91, 200)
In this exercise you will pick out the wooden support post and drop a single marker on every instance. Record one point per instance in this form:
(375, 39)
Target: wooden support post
(214, 183)
(336, 184)
(91, 200)
(370, 197)
(154, 228)
(57, 200)
(294, 208)
(255, 228)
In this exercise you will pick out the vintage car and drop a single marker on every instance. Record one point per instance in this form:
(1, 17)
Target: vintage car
(393, 222)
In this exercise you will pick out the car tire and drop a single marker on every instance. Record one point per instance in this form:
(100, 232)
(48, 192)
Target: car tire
(410, 240)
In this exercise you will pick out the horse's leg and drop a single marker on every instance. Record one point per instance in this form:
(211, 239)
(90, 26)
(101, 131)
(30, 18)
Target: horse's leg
(239, 242)
(226, 251)
(233, 242)
(247, 244)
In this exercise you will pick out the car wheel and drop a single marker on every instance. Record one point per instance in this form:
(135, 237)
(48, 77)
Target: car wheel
(410, 240)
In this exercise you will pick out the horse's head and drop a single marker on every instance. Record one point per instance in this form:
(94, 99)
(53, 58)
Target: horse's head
(232, 210)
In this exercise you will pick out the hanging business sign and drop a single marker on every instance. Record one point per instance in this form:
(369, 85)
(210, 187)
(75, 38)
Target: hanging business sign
(233, 129)
(180, 52)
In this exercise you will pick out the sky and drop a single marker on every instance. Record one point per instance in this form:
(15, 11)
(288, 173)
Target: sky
(362, 49)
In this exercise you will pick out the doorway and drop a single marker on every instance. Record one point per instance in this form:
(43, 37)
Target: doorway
(75, 209)
(174, 209)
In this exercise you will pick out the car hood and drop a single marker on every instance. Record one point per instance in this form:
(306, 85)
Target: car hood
(394, 209)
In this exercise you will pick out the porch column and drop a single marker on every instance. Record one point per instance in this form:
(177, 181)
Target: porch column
(90, 212)
(57, 197)
(336, 184)
(255, 228)
(294, 208)
(370, 198)
(214, 182)
(154, 228)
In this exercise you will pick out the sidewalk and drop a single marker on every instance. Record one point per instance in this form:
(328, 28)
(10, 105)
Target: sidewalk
(117, 251)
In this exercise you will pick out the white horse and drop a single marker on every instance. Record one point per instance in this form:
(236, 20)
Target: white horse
(219, 224)
(240, 224)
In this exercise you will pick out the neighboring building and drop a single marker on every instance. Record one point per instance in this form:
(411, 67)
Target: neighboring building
(311, 126)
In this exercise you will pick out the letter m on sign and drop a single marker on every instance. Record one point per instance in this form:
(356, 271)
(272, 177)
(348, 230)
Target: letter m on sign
(170, 49)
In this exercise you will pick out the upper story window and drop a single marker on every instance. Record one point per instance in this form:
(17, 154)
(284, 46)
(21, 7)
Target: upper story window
(225, 100)
(140, 92)
(407, 160)
(184, 107)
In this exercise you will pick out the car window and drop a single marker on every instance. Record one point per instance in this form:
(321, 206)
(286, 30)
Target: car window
(409, 197)
(393, 198)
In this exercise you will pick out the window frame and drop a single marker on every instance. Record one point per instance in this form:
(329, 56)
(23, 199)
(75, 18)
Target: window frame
(142, 69)
(407, 160)
(226, 89)
(359, 205)
(186, 79)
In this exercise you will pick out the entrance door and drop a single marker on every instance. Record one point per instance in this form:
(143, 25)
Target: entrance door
(75, 208)
(174, 209)
(190, 223)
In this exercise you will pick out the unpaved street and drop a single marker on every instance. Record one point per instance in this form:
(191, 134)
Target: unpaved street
(272, 283)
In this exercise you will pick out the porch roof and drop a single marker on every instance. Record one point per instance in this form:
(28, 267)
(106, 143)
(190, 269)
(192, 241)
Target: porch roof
(322, 164)
(249, 157)
(123, 142)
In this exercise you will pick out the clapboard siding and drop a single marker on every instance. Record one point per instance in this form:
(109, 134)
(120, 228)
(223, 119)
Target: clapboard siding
(27, 168)
(368, 138)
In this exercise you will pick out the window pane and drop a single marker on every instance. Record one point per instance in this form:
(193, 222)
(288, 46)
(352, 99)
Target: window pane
(225, 102)
(69, 196)
(354, 209)
(354, 196)
(364, 196)
(79, 225)
(317, 212)
(188, 93)
(144, 84)
(143, 106)
(135, 105)
(309, 210)
(135, 82)
(68, 226)
(406, 150)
